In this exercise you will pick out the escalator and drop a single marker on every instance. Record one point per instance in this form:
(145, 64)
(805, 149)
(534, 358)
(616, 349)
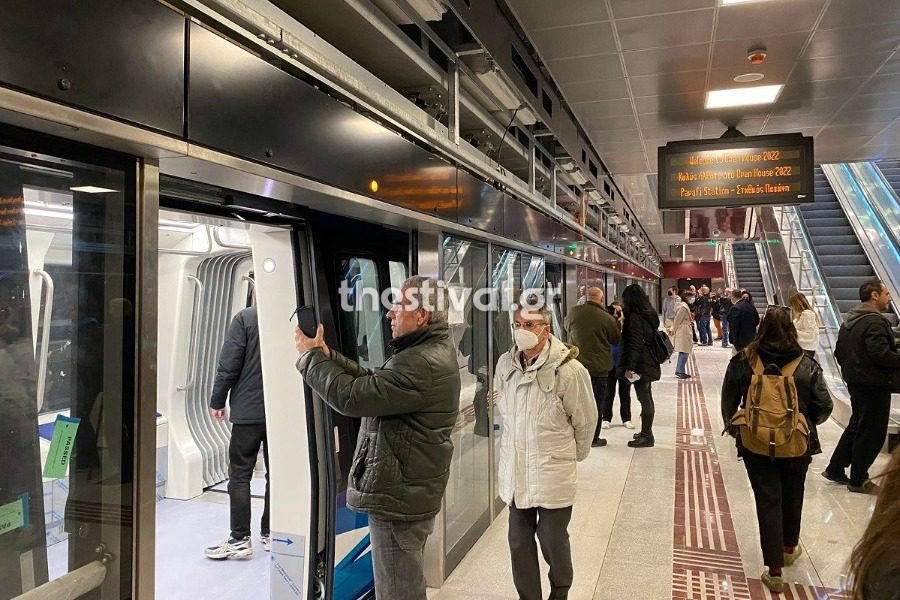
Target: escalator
(749, 276)
(840, 254)
(890, 169)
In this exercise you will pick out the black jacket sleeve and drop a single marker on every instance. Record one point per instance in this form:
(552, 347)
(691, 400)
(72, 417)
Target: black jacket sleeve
(734, 387)
(820, 403)
(879, 345)
(231, 361)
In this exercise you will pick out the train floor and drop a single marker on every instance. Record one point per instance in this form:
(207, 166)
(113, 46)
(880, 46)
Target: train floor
(677, 521)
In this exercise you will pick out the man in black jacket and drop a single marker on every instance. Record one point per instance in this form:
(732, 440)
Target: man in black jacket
(409, 408)
(870, 364)
(742, 321)
(240, 373)
(723, 307)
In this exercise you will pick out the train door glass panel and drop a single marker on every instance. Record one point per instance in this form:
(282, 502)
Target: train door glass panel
(506, 281)
(554, 295)
(468, 495)
(67, 369)
(361, 278)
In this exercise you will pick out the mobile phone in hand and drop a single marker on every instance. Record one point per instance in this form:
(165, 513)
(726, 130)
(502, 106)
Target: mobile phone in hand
(306, 320)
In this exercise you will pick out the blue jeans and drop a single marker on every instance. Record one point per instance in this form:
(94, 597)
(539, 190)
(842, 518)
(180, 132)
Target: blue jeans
(705, 332)
(681, 363)
(724, 333)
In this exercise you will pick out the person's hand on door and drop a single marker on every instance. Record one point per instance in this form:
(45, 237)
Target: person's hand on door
(305, 344)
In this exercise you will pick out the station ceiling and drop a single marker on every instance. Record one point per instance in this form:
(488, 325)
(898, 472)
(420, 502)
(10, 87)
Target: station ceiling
(636, 73)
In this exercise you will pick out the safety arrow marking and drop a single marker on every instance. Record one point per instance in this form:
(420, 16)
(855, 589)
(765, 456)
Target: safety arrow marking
(287, 541)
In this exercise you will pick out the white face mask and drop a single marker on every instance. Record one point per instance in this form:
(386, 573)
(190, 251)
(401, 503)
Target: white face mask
(691, 300)
(525, 340)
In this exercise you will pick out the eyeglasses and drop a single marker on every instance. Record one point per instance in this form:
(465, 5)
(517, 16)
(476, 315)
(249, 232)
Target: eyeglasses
(527, 324)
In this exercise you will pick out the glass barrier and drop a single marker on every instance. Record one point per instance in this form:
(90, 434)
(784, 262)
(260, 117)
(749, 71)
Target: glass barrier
(67, 371)
(810, 281)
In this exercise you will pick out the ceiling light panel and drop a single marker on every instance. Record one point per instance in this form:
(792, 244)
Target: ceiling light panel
(743, 96)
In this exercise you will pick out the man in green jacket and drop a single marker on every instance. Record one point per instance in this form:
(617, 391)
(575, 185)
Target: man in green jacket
(593, 330)
(408, 408)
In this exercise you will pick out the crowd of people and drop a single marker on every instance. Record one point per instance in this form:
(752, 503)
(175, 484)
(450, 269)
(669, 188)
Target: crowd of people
(556, 398)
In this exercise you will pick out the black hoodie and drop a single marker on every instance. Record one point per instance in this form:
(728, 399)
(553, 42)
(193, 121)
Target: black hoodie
(812, 392)
(867, 351)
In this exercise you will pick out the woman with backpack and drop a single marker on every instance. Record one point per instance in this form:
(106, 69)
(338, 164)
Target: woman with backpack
(641, 368)
(775, 375)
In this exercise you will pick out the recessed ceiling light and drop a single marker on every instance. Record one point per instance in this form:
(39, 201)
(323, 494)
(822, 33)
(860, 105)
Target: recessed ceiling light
(761, 94)
(748, 77)
(91, 189)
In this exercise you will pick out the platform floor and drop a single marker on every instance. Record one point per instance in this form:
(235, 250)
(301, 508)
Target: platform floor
(677, 521)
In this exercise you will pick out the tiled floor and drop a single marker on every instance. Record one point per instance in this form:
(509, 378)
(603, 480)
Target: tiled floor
(678, 520)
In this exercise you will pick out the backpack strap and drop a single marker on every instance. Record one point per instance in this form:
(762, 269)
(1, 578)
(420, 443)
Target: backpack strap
(757, 366)
(788, 369)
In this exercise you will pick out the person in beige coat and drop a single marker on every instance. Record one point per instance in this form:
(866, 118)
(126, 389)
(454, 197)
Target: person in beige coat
(549, 417)
(684, 342)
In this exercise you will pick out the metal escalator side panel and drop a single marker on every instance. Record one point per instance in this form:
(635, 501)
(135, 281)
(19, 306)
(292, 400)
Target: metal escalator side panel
(858, 191)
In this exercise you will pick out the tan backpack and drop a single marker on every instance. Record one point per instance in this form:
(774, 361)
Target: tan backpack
(770, 421)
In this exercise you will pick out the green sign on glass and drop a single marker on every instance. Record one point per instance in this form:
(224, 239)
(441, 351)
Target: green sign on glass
(61, 447)
(14, 514)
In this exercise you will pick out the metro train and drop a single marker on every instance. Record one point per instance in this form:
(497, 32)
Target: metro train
(218, 249)
(130, 234)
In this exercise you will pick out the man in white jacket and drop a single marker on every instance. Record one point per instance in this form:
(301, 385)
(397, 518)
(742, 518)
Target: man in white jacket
(549, 415)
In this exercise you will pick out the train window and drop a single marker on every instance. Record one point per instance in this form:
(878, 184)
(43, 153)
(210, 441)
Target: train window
(593, 168)
(398, 274)
(361, 278)
(548, 103)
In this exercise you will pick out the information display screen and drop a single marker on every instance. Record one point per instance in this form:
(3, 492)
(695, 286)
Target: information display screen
(737, 171)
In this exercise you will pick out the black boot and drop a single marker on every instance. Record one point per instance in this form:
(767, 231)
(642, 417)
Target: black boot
(644, 440)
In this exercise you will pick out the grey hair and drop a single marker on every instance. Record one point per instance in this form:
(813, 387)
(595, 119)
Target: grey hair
(534, 304)
(430, 294)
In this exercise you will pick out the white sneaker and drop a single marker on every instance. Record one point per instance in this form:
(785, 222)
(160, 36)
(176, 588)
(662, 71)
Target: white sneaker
(606, 425)
(230, 548)
(266, 542)
(628, 425)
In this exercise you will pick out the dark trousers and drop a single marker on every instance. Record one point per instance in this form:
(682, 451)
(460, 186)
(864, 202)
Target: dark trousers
(551, 527)
(599, 386)
(705, 331)
(398, 557)
(624, 385)
(645, 397)
(725, 328)
(864, 436)
(242, 453)
(778, 487)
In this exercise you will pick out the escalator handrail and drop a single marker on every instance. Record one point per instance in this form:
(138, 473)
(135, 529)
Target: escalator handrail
(796, 219)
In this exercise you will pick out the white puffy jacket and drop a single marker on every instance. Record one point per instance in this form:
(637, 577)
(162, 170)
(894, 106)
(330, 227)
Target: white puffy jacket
(548, 417)
(807, 326)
